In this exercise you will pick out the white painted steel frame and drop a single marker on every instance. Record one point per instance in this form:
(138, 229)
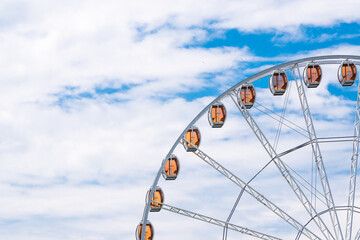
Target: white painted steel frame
(282, 167)
(217, 222)
(252, 192)
(353, 169)
(317, 153)
(357, 237)
(320, 140)
(337, 208)
(330, 59)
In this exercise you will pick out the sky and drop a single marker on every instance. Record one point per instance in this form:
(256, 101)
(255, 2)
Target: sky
(94, 94)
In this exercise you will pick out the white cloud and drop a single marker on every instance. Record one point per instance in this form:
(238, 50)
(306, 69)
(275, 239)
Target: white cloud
(82, 171)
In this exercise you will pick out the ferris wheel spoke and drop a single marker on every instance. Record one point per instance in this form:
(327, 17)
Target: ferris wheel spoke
(357, 237)
(217, 222)
(281, 120)
(259, 197)
(353, 170)
(307, 186)
(317, 153)
(283, 169)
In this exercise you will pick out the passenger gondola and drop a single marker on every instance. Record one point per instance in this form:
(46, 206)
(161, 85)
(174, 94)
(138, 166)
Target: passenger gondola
(157, 197)
(217, 115)
(278, 82)
(312, 75)
(149, 231)
(347, 73)
(171, 168)
(246, 95)
(192, 138)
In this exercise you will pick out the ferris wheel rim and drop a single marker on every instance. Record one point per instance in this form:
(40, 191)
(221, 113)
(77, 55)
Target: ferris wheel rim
(341, 208)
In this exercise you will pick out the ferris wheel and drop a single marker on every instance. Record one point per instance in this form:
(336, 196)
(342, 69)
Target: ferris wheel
(306, 165)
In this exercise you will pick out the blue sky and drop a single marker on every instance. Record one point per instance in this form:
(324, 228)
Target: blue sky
(95, 93)
(262, 43)
(273, 43)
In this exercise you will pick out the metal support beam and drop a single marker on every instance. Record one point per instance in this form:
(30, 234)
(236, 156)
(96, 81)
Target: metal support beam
(281, 166)
(320, 140)
(338, 208)
(357, 237)
(217, 222)
(353, 170)
(317, 153)
(259, 197)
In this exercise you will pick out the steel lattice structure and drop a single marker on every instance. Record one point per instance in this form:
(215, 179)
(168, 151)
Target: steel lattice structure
(338, 228)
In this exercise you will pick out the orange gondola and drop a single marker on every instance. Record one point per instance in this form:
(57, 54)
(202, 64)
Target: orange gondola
(246, 95)
(192, 138)
(347, 73)
(278, 82)
(217, 115)
(149, 231)
(312, 75)
(172, 168)
(157, 197)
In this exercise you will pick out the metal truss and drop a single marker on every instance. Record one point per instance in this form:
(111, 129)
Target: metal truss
(259, 197)
(317, 153)
(353, 170)
(357, 237)
(283, 169)
(217, 222)
(337, 208)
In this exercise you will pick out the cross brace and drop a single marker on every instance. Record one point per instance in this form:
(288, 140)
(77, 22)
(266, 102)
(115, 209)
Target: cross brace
(281, 166)
(317, 153)
(259, 197)
(353, 170)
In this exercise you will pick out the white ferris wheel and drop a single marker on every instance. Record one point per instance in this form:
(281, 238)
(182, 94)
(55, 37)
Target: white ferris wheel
(315, 164)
